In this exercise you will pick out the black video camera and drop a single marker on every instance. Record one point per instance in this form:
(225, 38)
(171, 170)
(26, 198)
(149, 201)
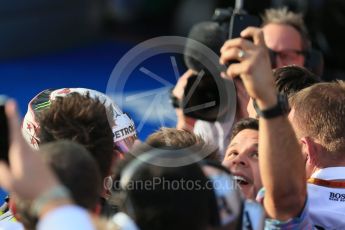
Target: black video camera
(207, 96)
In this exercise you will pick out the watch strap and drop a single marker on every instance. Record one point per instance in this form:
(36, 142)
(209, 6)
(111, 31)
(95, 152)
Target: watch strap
(281, 108)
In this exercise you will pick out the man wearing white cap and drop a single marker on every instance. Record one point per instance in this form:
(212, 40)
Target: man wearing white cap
(85, 116)
(118, 120)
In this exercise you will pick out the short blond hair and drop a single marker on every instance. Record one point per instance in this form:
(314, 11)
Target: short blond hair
(320, 114)
(180, 139)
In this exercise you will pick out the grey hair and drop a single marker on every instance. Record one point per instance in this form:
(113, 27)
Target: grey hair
(286, 17)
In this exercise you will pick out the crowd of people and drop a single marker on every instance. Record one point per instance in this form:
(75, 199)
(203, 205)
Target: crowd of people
(75, 161)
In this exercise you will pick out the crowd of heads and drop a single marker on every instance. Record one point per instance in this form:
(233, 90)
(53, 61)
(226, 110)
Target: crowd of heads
(92, 148)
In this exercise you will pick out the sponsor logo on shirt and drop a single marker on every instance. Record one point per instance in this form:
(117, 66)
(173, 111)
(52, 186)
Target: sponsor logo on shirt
(336, 196)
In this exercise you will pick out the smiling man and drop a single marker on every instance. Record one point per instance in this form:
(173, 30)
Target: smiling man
(241, 157)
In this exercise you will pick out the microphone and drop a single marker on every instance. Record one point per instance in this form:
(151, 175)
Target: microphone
(205, 95)
(210, 34)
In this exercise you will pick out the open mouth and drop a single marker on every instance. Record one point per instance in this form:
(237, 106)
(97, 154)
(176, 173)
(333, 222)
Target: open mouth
(241, 180)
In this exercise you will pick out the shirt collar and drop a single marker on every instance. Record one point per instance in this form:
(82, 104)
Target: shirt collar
(331, 173)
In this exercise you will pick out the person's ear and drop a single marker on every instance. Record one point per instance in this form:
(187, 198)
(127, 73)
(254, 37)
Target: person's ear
(309, 150)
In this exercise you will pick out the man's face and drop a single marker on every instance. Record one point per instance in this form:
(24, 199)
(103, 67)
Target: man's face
(286, 42)
(242, 159)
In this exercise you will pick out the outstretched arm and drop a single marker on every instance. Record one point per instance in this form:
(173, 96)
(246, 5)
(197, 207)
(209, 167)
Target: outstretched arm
(183, 121)
(280, 158)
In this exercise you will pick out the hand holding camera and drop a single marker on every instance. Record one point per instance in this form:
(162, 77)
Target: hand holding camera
(254, 68)
(206, 85)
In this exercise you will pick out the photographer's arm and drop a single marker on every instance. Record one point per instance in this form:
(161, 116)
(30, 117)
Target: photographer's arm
(183, 121)
(280, 158)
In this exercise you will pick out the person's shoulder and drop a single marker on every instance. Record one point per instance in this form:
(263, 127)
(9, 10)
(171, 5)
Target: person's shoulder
(326, 195)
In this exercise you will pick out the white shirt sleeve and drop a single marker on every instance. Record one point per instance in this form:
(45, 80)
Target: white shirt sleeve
(9, 225)
(66, 217)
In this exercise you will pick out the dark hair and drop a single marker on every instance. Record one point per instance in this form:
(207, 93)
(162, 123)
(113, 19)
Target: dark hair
(245, 123)
(166, 207)
(291, 79)
(84, 120)
(179, 139)
(76, 169)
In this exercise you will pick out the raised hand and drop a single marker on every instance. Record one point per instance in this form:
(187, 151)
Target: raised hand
(254, 66)
(26, 176)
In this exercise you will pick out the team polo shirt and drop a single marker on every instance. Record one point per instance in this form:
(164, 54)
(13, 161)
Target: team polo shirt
(327, 200)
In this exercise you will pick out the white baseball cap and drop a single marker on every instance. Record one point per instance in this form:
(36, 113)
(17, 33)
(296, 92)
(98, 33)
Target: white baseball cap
(121, 124)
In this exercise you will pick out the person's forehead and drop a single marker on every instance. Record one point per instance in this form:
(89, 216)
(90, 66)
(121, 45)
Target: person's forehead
(282, 37)
(245, 138)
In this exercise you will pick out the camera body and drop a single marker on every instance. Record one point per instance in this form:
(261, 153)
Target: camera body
(211, 89)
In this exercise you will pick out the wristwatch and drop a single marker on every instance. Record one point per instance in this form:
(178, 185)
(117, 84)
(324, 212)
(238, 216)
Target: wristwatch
(280, 109)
